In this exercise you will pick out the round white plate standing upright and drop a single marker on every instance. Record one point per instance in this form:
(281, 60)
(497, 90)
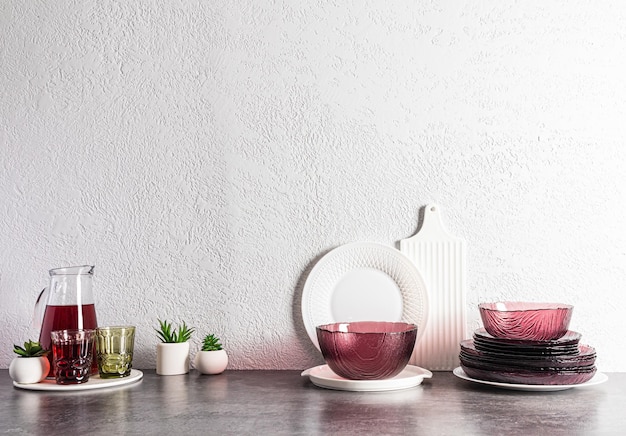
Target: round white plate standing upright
(364, 281)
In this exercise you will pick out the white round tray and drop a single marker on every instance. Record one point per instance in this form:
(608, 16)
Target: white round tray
(95, 382)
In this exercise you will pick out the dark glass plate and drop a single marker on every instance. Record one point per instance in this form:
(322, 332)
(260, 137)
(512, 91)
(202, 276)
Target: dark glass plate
(520, 350)
(490, 366)
(570, 338)
(531, 377)
(585, 356)
(530, 366)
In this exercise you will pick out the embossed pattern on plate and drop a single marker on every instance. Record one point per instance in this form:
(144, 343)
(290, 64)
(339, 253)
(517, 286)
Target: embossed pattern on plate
(399, 296)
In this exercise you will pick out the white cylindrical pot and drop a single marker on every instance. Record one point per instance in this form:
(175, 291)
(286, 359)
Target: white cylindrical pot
(172, 358)
(211, 362)
(29, 369)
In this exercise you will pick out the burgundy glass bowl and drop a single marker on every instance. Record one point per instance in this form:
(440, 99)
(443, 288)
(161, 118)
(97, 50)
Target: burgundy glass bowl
(367, 350)
(526, 321)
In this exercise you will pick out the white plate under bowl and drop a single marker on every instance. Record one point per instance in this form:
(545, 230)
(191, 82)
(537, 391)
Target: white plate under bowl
(596, 380)
(324, 377)
(95, 382)
(364, 281)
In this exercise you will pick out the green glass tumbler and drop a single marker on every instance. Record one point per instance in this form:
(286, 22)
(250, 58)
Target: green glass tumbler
(114, 351)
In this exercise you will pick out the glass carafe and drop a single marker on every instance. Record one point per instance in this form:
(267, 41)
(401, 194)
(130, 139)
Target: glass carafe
(67, 303)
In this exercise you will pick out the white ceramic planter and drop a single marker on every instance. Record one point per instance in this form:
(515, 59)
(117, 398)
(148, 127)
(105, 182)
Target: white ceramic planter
(29, 369)
(211, 362)
(172, 358)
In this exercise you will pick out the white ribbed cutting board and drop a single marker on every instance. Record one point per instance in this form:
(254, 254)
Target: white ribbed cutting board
(440, 258)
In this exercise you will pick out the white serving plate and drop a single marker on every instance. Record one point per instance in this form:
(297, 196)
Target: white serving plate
(364, 281)
(324, 377)
(596, 380)
(95, 382)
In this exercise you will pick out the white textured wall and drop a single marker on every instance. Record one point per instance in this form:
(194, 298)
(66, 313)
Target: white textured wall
(203, 154)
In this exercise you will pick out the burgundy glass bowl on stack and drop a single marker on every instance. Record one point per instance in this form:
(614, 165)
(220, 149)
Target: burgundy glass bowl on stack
(527, 343)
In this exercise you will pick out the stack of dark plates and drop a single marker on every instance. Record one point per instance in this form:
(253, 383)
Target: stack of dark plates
(562, 361)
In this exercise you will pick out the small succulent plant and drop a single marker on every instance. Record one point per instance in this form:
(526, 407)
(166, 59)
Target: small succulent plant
(169, 335)
(211, 343)
(30, 349)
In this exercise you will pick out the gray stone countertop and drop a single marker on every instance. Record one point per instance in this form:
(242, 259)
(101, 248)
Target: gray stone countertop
(284, 403)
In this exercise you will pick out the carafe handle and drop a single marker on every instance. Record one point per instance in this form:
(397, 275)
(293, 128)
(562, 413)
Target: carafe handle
(40, 308)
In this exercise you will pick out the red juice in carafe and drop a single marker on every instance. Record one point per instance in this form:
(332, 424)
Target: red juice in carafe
(63, 318)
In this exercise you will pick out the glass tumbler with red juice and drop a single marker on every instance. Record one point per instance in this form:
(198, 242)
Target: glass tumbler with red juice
(72, 355)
